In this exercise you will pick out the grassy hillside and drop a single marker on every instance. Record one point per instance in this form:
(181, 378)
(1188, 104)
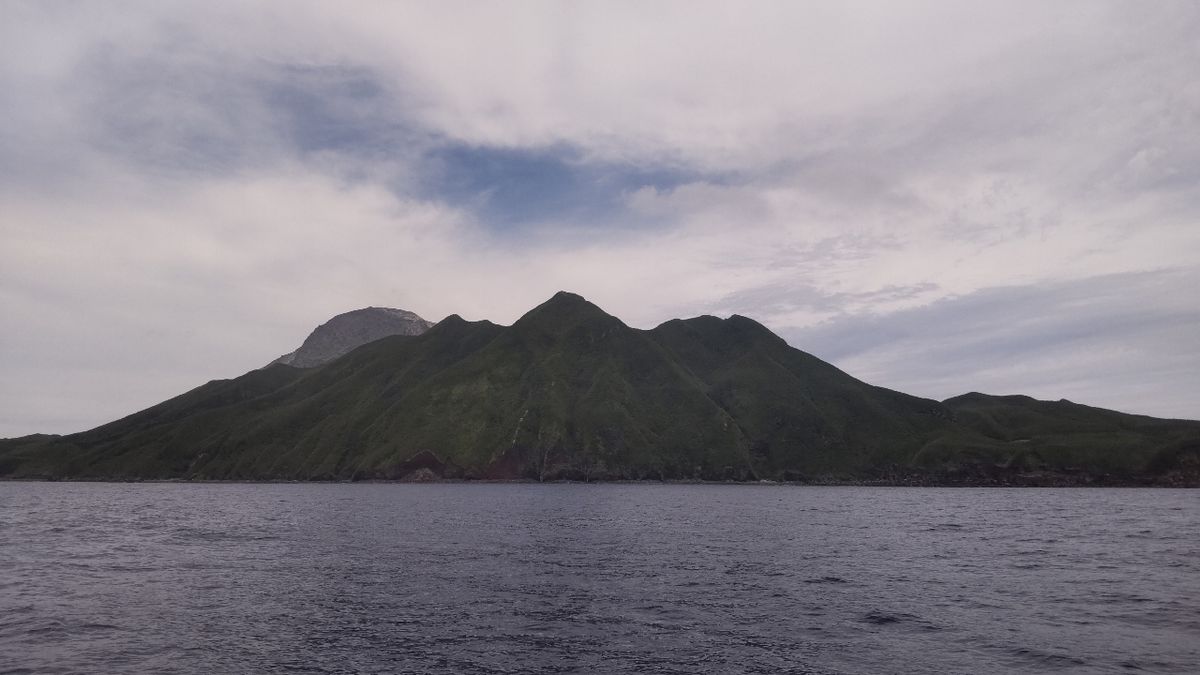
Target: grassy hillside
(1024, 433)
(570, 392)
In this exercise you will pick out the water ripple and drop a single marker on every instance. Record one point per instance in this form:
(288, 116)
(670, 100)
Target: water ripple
(178, 578)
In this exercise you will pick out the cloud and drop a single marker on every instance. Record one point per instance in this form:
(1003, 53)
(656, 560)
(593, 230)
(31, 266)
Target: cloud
(1111, 341)
(187, 188)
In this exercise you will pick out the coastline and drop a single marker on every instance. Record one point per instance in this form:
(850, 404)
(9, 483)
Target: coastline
(1020, 482)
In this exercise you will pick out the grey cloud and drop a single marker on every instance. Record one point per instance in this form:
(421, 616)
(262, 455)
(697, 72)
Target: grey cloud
(173, 105)
(202, 112)
(205, 165)
(1125, 341)
(786, 297)
(1097, 116)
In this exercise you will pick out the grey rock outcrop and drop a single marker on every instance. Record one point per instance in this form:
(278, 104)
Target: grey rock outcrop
(346, 332)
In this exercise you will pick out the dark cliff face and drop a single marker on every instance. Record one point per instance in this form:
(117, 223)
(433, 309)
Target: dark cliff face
(569, 391)
(346, 332)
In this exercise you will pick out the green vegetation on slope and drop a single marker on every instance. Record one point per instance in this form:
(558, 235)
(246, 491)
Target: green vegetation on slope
(570, 392)
(1025, 433)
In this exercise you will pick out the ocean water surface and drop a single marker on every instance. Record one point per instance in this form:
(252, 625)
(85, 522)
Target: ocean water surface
(520, 578)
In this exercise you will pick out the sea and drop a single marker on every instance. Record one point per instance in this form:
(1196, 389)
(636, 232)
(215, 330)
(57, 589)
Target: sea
(596, 578)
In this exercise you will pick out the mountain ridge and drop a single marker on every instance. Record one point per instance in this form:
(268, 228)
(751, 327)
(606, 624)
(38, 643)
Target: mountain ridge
(571, 392)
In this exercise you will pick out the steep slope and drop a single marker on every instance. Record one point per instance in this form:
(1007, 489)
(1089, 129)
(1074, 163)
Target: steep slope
(351, 330)
(44, 455)
(801, 415)
(317, 424)
(569, 391)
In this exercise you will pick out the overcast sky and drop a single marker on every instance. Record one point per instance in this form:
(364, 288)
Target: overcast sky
(938, 197)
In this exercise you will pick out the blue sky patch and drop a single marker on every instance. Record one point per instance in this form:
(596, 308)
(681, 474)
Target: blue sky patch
(514, 188)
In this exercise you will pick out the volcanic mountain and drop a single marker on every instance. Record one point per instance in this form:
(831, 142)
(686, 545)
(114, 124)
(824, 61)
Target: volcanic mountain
(570, 392)
(351, 330)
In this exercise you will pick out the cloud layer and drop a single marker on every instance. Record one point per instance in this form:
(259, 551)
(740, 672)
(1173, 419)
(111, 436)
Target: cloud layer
(936, 197)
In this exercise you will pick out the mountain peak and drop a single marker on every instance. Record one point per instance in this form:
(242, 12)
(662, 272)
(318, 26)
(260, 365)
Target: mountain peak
(564, 301)
(565, 310)
(567, 298)
(350, 330)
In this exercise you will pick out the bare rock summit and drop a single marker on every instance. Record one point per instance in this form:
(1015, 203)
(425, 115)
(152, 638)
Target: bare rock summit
(346, 332)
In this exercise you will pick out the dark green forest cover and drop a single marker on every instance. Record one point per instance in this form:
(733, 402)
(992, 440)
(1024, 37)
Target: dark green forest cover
(570, 392)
